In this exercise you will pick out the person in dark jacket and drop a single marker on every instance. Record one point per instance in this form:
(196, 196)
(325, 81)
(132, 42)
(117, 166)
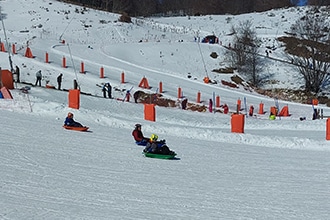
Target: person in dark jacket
(157, 147)
(107, 89)
(184, 103)
(138, 136)
(70, 122)
(17, 72)
(210, 105)
(39, 77)
(59, 81)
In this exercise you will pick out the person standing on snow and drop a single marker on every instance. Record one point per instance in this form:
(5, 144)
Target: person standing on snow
(128, 95)
(184, 103)
(225, 109)
(17, 72)
(107, 89)
(39, 77)
(251, 110)
(210, 105)
(59, 81)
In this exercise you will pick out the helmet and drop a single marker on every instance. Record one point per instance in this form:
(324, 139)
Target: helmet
(154, 137)
(138, 125)
(70, 115)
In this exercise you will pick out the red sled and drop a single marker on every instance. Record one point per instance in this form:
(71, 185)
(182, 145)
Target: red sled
(76, 128)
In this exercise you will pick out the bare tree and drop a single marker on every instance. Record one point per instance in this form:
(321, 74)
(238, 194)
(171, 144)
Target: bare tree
(310, 48)
(244, 53)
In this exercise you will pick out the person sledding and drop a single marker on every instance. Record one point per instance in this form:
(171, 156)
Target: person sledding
(157, 147)
(138, 136)
(70, 122)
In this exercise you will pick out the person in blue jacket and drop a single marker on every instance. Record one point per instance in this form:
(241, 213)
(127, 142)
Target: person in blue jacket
(157, 147)
(70, 122)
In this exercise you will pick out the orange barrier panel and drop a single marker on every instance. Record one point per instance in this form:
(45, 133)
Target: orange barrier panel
(2, 47)
(144, 83)
(328, 129)
(82, 67)
(28, 53)
(122, 77)
(102, 72)
(64, 62)
(7, 79)
(6, 93)
(149, 112)
(179, 92)
(315, 102)
(47, 58)
(160, 87)
(217, 101)
(237, 123)
(261, 108)
(273, 110)
(14, 48)
(74, 98)
(284, 112)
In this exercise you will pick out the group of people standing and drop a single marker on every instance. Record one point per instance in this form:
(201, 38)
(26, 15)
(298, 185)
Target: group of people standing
(16, 76)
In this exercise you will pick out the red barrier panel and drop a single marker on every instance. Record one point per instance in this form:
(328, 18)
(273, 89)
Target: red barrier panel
(149, 112)
(74, 98)
(328, 129)
(28, 53)
(261, 108)
(237, 123)
(144, 83)
(2, 47)
(284, 112)
(7, 79)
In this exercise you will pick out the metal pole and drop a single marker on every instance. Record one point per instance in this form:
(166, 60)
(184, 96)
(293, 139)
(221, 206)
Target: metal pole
(6, 39)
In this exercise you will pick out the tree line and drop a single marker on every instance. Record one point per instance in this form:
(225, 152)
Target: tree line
(186, 7)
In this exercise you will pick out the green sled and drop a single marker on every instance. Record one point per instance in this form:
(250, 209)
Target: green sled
(159, 156)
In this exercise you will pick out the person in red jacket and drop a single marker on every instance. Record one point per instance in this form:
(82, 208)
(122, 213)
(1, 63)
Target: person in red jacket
(138, 136)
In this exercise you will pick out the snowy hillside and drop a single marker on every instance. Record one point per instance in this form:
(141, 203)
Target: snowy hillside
(274, 170)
